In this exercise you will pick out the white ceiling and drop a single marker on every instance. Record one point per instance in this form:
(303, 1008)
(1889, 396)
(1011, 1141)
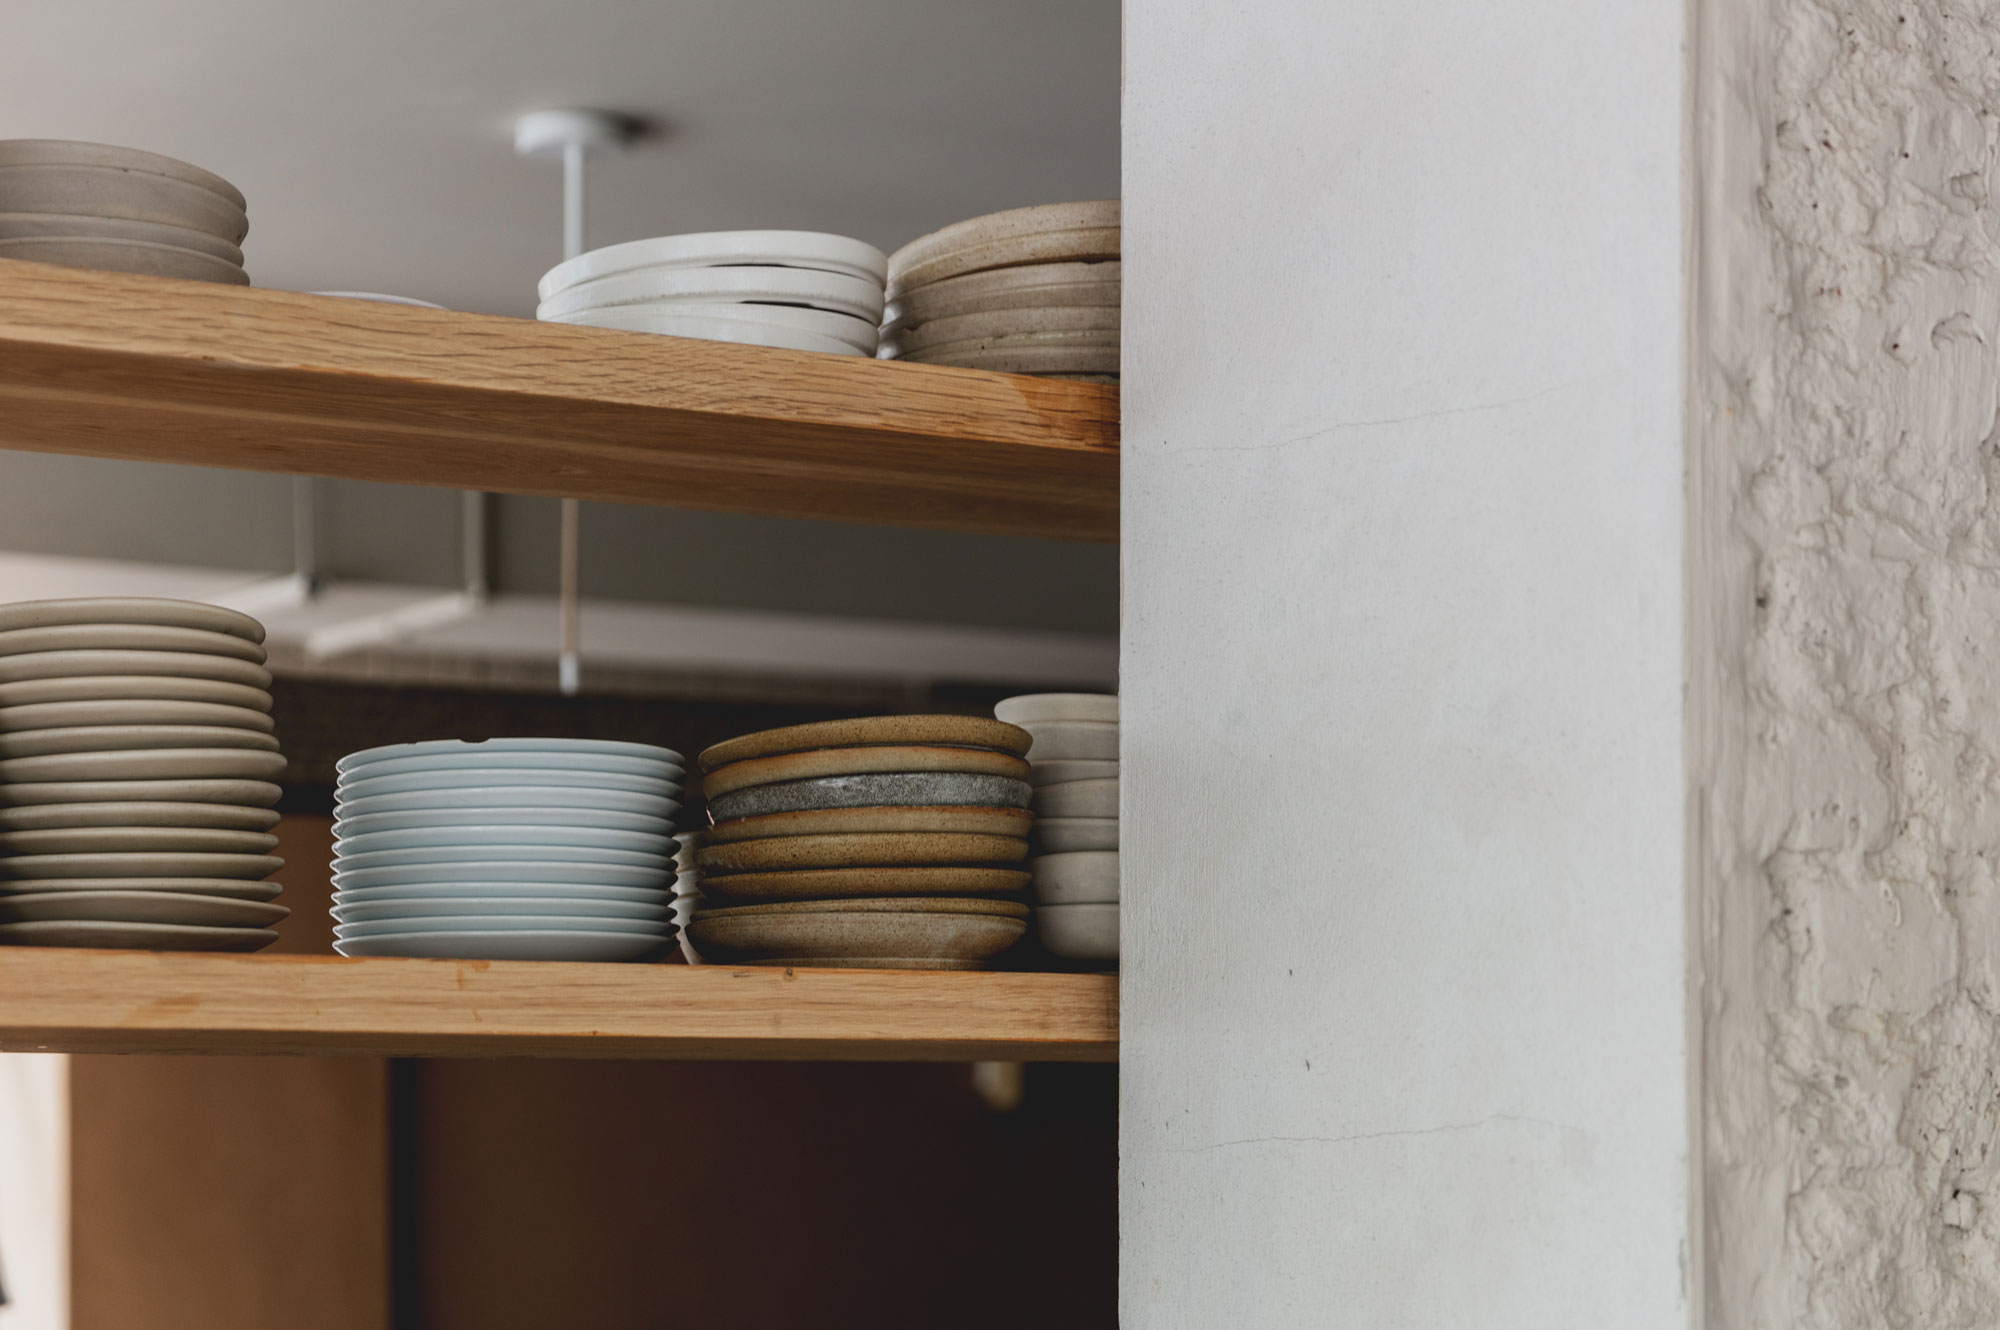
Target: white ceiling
(372, 137)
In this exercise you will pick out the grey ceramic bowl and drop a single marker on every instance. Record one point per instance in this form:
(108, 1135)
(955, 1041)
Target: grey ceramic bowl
(892, 789)
(106, 191)
(1079, 932)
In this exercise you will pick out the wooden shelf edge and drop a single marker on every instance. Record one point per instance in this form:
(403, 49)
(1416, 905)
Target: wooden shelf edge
(77, 1001)
(122, 366)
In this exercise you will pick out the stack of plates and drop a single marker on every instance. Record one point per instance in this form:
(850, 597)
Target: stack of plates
(86, 205)
(1075, 773)
(796, 289)
(511, 849)
(891, 842)
(136, 761)
(1032, 291)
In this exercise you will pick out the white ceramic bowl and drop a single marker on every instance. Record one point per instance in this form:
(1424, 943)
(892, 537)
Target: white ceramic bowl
(482, 778)
(1063, 772)
(1036, 708)
(574, 819)
(451, 891)
(839, 292)
(507, 923)
(484, 944)
(600, 763)
(1077, 798)
(469, 753)
(710, 249)
(1079, 932)
(556, 803)
(667, 321)
(567, 907)
(844, 328)
(511, 870)
(570, 856)
(1065, 835)
(1067, 740)
(463, 837)
(1083, 877)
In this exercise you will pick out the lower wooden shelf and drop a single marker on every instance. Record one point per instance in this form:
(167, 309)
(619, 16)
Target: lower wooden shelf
(76, 1001)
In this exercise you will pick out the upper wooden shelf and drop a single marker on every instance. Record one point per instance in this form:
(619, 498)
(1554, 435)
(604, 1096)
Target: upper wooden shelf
(75, 1001)
(112, 365)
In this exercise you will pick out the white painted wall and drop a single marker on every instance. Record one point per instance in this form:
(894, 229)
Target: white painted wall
(34, 1190)
(1403, 935)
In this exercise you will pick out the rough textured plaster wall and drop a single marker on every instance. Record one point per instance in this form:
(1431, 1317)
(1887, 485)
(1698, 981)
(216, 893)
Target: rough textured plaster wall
(1845, 650)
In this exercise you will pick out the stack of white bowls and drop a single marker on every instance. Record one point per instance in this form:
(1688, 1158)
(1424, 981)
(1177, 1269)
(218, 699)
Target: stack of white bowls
(136, 767)
(1074, 770)
(511, 849)
(89, 205)
(1029, 291)
(801, 290)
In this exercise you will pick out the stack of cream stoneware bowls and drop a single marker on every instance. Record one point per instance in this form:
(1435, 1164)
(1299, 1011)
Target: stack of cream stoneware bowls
(1074, 768)
(886, 842)
(1031, 291)
(511, 849)
(88, 205)
(137, 758)
(795, 289)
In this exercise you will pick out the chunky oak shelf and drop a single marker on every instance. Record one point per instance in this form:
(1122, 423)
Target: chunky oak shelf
(151, 1002)
(113, 365)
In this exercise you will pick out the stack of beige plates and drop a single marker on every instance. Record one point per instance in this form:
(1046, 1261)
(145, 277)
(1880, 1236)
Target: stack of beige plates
(88, 205)
(1031, 291)
(889, 842)
(136, 769)
(800, 290)
(1074, 764)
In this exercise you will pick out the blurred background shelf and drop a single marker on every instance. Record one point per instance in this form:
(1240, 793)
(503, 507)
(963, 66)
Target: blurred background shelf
(119, 366)
(151, 1002)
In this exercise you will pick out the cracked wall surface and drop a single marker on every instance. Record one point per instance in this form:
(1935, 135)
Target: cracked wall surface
(1845, 661)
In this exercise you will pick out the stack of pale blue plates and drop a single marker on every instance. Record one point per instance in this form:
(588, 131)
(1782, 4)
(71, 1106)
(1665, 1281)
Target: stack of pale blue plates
(511, 849)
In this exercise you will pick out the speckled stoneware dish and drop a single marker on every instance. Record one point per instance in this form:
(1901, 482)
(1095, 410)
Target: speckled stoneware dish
(73, 226)
(1034, 355)
(871, 731)
(890, 759)
(251, 867)
(925, 849)
(168, 664)
(139, 813)
(1048, 233)
(75, 152)
(881, 789)
(103, 840)
(241, 793)
(109, 738)
(132, 687)
(147, 765)
(1036, 286)
(904, 933)
(140, 907)
(54, 639)
(130, 711)
(142, 937)
(233, 888)
(134, 256)
(1009, 327)
(864, 821)
(105, 191)
(847, 883)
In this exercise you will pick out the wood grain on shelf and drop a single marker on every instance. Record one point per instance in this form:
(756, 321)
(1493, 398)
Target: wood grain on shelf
(66, 1000)
(114, 365)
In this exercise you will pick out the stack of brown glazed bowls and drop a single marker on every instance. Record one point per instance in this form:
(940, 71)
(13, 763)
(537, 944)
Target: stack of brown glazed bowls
(90, 205)
(137, 761)
(1030, 291)
(890, 842)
